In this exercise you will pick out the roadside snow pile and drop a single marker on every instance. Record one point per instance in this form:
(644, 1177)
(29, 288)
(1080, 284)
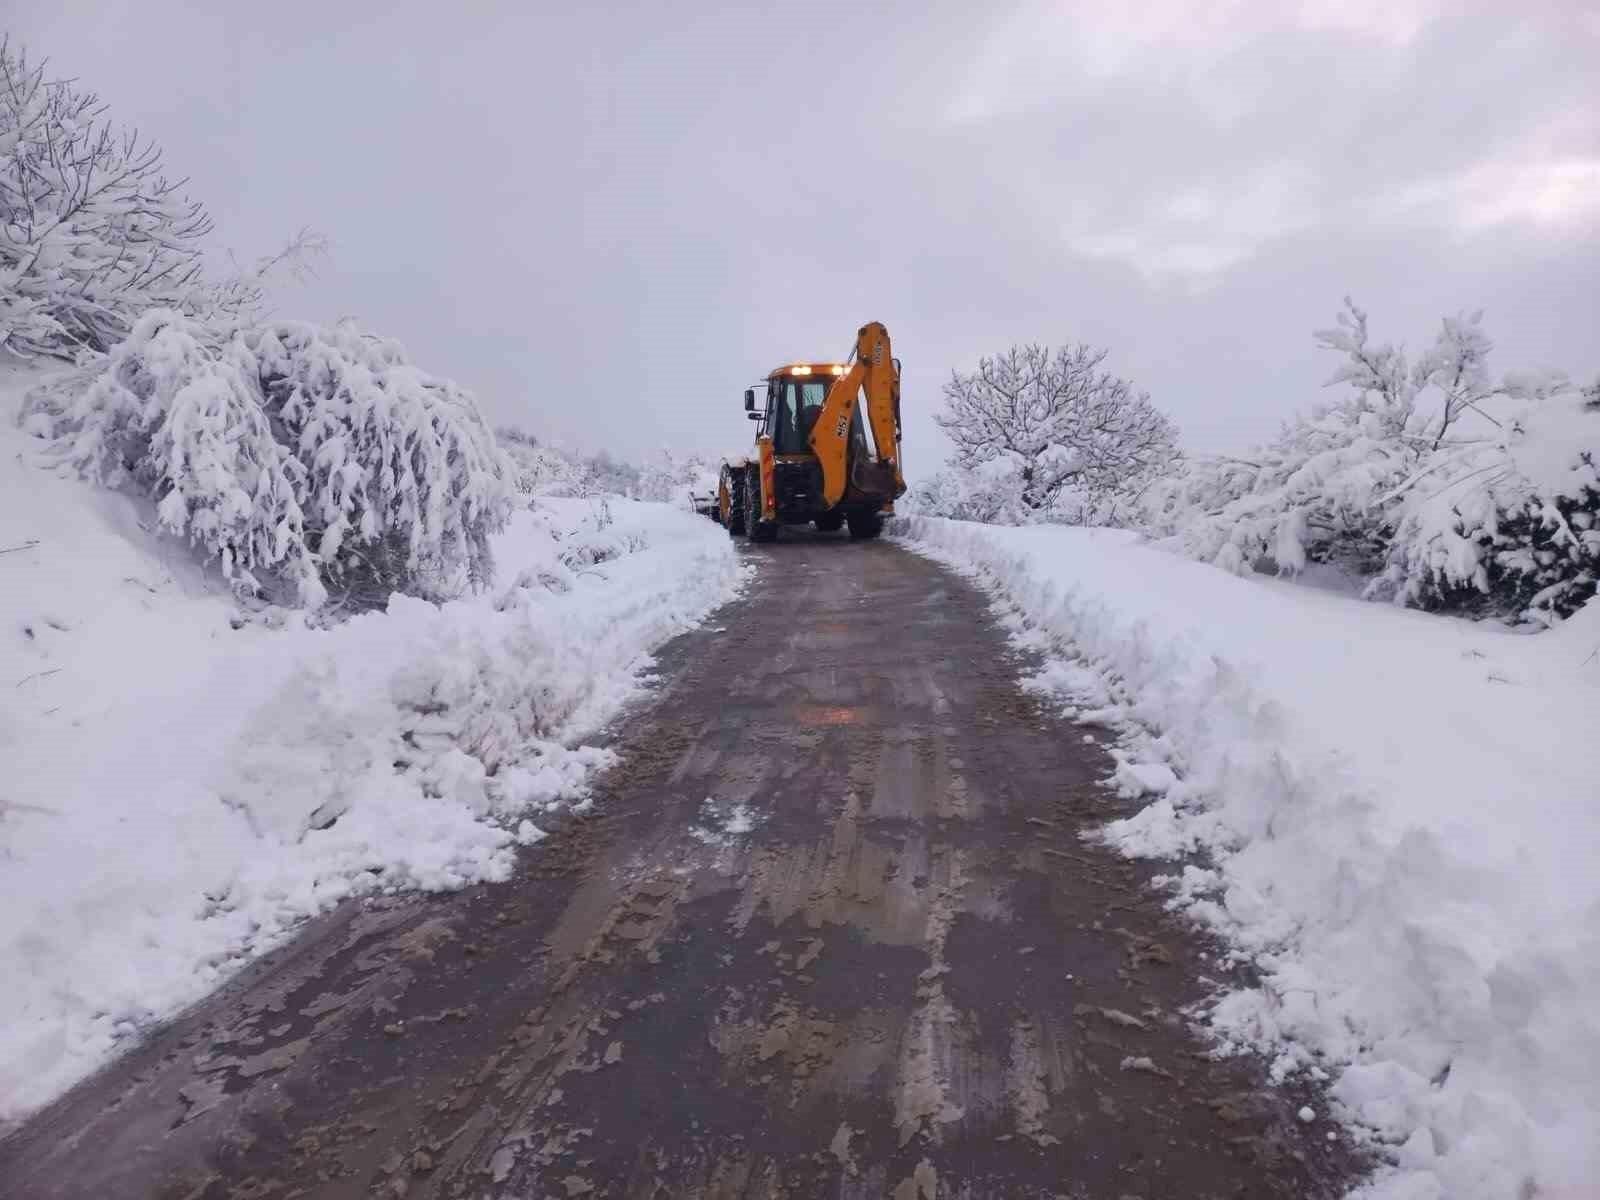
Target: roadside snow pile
(183, 784)
(1401, 816)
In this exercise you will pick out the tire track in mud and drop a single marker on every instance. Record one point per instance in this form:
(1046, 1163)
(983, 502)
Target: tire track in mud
(899, 974)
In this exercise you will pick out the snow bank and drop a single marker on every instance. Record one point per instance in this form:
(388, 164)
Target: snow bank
(1401, 817)
(182, 787)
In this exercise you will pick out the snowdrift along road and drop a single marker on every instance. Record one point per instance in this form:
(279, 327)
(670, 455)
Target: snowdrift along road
(182, 788)
(1401, 817)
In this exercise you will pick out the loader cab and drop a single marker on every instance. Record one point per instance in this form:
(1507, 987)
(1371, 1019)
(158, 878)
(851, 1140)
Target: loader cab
(794, 397)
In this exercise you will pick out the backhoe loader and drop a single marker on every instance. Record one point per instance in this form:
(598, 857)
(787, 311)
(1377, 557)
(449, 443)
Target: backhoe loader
(817, 460)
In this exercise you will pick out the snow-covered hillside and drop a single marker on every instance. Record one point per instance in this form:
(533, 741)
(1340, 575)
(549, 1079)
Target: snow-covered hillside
(183, 785)
(1400, 814)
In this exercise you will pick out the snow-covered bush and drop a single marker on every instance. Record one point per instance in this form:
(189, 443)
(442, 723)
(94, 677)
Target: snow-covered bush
(671, 478)
(542, 470)
(992, 497)
(403, 480)
(306, 460)
(1310, 494)
(609, 475)
(1442, 487)
(545, 470)
(1054, 437)
(1514, 527)
(177, 413)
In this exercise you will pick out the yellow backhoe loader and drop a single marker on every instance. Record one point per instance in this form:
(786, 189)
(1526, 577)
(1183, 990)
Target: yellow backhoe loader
(817, 460)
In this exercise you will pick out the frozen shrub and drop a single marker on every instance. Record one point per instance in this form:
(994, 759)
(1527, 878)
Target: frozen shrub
(178, 415)
(1442, 487)
(669, 478)
(1511, 528)
(1309, 495)
(993, 497)
(303, 459)
(403, 481)
(538, 470)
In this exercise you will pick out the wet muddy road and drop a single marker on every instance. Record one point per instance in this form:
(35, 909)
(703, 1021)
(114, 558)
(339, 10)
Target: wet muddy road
(829, 931)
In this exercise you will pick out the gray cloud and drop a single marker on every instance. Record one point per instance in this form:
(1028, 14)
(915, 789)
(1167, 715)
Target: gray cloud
(608, 222)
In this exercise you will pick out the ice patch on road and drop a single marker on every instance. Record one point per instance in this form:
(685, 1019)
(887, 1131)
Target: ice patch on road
(722, 823)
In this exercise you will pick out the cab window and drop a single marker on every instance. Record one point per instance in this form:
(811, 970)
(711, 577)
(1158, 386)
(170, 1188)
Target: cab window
(798, 402)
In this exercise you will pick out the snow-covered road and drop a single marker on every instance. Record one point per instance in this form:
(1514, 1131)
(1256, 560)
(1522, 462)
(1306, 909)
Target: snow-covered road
(829, 931)
(1400, 820)
(1393, 817)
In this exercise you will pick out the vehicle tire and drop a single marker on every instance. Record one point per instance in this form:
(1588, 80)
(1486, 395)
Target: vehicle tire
(865, 525)
(830, 522)
(733, 484)
(759, 530)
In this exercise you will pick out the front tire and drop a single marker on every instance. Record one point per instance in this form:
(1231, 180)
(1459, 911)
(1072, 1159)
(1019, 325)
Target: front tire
(733, 512)
(759, 530)
(864, 526)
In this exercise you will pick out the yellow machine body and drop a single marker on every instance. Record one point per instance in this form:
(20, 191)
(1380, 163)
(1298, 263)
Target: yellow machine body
(814, 462)
(875, 372)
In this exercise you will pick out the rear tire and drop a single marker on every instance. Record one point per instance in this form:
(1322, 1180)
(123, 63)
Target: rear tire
(830, 522)
(759, 530)
(733, 481)
(865, 525)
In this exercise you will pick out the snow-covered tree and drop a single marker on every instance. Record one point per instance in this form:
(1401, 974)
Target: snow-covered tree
(658, 478)
(545, 470)
(1511, 526)
(91, 229)
(403, 481)
(671, 478)
(536, 469)
(1441, 486)
(306, 461)
(1055, 430)
(93, 232)
(608, 475)
(178, 415)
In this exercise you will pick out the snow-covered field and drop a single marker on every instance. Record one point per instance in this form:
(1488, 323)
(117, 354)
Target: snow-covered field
(181, 786)
(1401, 817)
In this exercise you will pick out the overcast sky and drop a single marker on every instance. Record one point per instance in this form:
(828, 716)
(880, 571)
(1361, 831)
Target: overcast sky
(607, 220)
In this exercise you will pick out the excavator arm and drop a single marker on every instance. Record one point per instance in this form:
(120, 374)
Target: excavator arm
(873, 371)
